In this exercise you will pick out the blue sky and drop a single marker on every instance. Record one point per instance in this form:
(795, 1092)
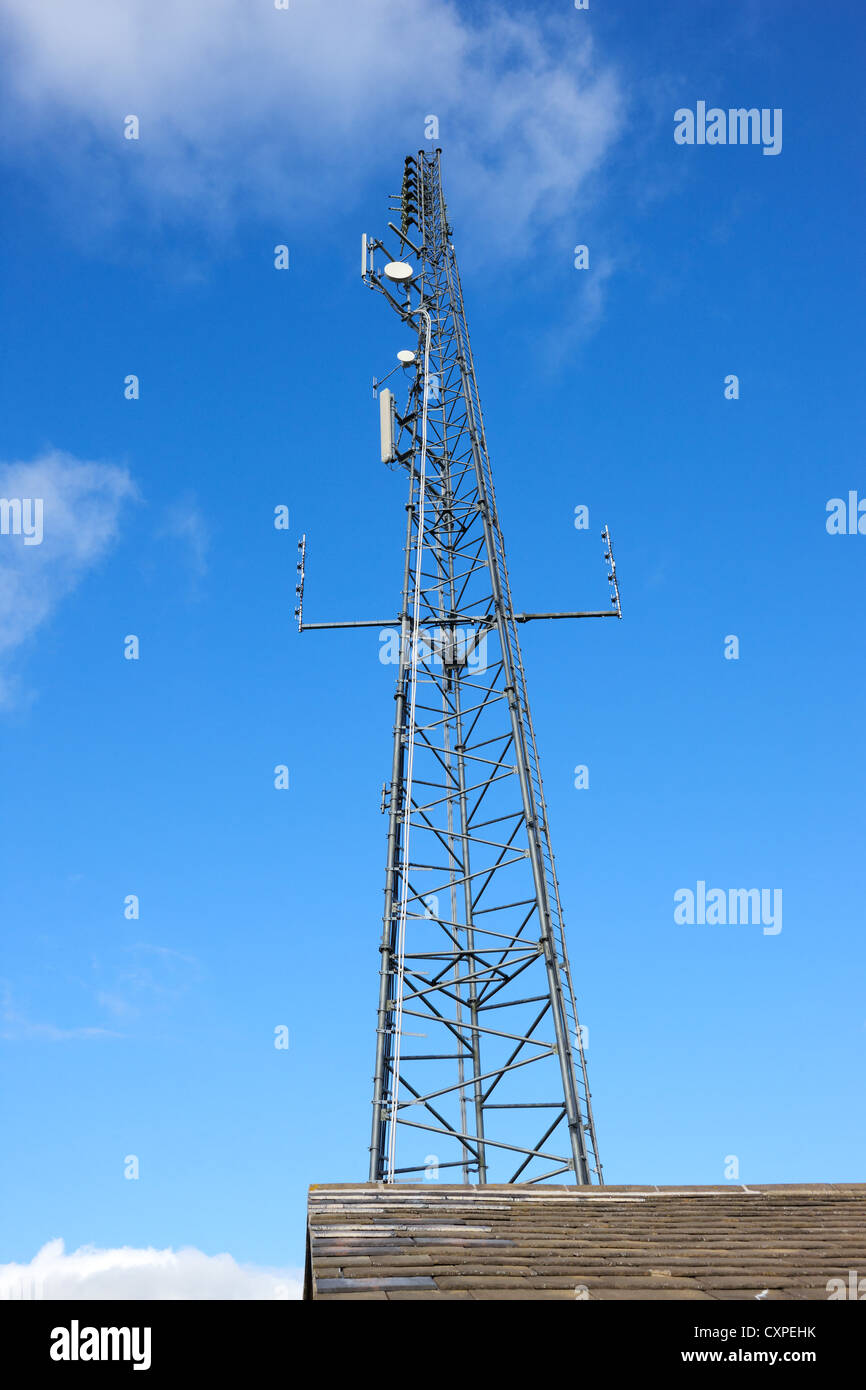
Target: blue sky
(603, 387)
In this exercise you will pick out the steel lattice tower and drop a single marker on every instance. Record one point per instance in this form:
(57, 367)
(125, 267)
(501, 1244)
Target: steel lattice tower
(479, 1057)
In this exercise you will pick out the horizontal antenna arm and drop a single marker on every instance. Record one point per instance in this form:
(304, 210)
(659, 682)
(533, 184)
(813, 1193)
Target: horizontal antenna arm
(299, 590)
(615, 611)
(484, 622)
(600, 613)
(367, 622)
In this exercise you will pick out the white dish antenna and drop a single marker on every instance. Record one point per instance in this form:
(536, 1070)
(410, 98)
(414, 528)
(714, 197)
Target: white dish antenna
(405, 356)
(399, 271)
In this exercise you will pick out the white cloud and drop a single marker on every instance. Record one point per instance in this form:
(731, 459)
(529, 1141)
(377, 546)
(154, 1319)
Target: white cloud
(127, 1273)
(81, 505)
(184, 522)
(16, 1026)
(240, 104)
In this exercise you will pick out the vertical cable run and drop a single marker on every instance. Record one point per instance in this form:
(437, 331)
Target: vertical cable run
(410, 758)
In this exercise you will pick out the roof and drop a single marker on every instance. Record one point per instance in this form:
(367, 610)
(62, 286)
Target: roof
(425, 1240)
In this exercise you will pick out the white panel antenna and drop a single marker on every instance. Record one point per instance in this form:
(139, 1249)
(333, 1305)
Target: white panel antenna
(386, 424)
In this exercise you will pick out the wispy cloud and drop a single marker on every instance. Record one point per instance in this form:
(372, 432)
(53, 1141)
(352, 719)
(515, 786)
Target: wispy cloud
(145, 978)
(185, 524)
(116, 1005)
(81, 506)
(16, 1026)
(238, 104)
(129, 1273)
